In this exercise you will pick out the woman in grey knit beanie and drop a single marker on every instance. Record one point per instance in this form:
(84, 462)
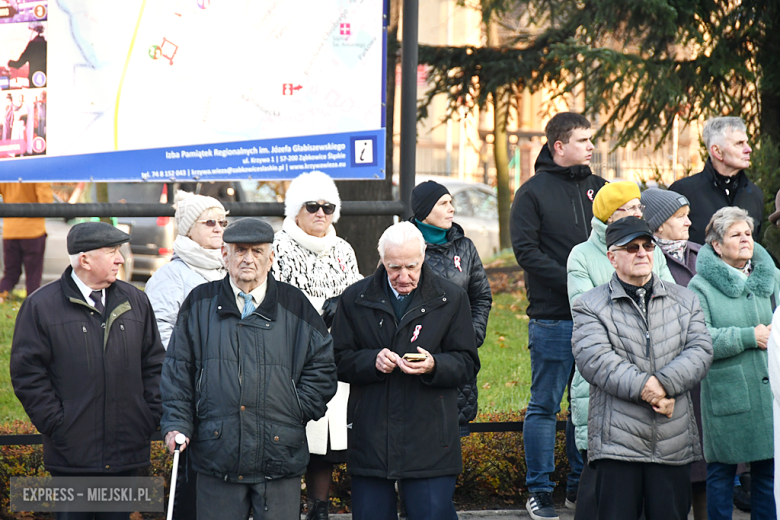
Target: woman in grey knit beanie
(667, 214)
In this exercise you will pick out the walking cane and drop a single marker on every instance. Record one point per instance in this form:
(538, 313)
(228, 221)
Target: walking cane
(180, 439)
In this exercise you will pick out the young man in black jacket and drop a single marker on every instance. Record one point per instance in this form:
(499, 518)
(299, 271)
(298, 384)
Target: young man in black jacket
(723, 181)
(551, 214)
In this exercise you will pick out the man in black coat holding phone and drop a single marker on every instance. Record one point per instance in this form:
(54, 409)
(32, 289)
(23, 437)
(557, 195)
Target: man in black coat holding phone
(404, 340)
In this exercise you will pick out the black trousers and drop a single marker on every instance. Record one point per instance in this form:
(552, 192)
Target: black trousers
(624, 488)
(586, 493)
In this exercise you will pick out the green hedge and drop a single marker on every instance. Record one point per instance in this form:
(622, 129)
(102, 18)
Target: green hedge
(493, 469)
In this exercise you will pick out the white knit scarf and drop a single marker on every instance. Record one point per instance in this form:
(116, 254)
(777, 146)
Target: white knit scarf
(312, 243)
(205, 262)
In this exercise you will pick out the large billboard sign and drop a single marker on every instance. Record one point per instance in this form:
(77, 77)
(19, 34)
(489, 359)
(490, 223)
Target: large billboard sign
(162, 90)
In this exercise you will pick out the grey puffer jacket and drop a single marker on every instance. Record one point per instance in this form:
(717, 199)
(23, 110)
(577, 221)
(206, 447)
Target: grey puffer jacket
(617, 350)
(457, 260)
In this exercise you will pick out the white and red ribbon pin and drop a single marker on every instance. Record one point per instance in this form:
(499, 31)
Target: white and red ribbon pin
(342, 264)
(456, 259)
(416, 334)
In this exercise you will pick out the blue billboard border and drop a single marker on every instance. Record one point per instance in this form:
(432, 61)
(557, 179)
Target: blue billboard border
(385, 25)
(208, 162)
(36, 169)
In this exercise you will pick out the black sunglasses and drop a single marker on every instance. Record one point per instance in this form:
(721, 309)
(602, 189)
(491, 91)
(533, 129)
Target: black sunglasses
(212, 222)
(314, 207)
(634, 248)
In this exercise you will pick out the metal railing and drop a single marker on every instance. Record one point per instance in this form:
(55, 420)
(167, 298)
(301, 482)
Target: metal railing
(236, 209)
(34, 439)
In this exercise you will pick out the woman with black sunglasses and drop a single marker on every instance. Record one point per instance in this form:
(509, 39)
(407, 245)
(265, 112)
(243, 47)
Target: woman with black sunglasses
(309, 255)
(197, 259)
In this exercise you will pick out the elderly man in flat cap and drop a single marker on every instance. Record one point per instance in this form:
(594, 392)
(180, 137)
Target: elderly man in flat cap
(86, 361)
(249, 363)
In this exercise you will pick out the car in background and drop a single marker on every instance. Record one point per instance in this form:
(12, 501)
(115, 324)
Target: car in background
(56, 259)
(476, 210)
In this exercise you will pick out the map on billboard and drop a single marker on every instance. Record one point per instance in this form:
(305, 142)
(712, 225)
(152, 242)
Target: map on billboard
(191, 89)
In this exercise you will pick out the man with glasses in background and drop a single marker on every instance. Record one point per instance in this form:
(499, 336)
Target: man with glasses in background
(642, 344)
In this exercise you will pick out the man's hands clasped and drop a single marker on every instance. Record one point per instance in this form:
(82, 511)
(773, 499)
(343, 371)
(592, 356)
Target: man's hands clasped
(655, 394)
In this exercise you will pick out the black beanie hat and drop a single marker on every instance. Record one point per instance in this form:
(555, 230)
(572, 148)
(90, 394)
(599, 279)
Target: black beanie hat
(425, 196)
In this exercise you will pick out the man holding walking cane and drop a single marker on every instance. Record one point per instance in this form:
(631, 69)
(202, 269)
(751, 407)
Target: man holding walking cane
(249, 363)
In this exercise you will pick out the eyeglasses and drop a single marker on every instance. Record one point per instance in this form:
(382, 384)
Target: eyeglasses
(634, 248)
(212, 222)
(314, 207)
(633, 209)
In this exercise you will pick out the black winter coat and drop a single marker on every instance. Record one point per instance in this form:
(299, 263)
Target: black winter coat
(550, 215)
(401, 425)
(457, 260)
(244, 389)
(91, 386)
(706, 198)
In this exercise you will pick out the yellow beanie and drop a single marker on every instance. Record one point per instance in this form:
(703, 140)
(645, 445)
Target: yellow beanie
(613, 195)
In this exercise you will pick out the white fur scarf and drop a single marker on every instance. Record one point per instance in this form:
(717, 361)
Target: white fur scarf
(312, 243)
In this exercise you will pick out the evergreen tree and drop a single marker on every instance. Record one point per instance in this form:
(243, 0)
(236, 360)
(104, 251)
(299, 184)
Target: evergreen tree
(641, 62)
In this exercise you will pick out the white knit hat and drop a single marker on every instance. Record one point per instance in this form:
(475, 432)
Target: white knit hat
(312, 186)
(189, 207)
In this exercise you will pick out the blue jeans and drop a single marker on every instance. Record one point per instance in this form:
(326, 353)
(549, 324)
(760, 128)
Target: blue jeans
(720, 488)
(374, 498)
(551, 367)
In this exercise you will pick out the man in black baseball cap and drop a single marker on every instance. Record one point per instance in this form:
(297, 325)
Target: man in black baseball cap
(86, 361)
(642, 343)
(625, 230)
(263, 335)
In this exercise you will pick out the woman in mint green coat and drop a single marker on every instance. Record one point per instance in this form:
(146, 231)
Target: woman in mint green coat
(737, 284)
(588, 267)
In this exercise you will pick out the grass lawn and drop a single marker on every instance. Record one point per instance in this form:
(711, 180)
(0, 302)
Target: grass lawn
(10, 408)
(505, 377)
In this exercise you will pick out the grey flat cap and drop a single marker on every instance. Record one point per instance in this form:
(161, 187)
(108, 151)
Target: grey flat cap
(94, 235)
(249, 230)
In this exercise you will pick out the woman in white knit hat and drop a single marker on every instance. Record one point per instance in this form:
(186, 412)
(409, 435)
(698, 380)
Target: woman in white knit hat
(310, 256)
(197, 259)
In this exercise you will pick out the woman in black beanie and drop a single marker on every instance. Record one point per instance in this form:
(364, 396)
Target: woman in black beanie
(453, 256)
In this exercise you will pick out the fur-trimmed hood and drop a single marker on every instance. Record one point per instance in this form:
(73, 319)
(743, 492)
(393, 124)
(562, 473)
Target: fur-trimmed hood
(728, 280)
